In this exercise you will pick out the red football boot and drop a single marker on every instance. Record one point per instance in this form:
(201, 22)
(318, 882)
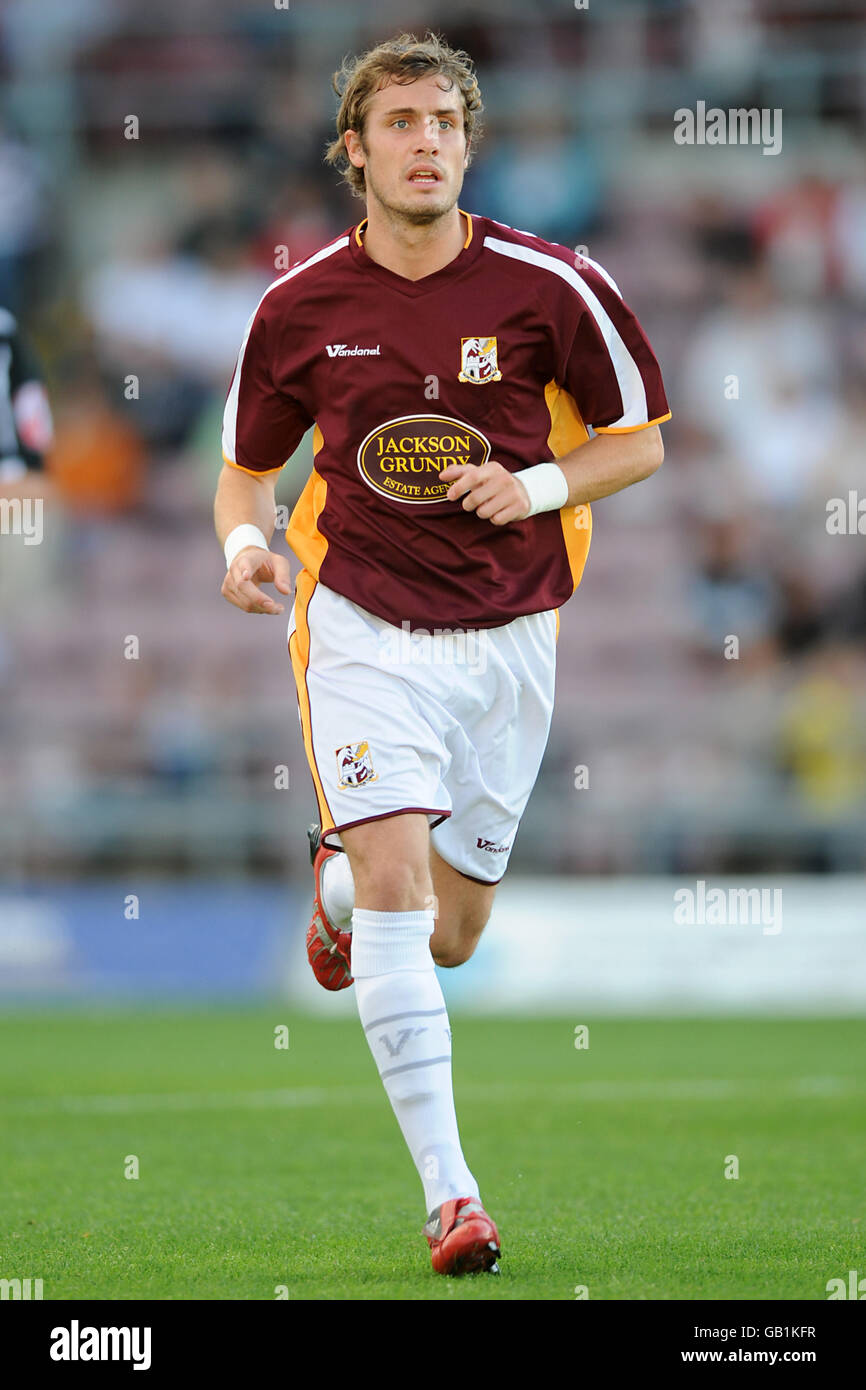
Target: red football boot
(462, 1238)
(328, 948)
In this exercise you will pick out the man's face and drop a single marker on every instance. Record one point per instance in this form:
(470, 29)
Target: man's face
(413, 150)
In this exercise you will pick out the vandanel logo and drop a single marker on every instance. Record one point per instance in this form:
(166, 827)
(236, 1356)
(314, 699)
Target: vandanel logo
(403, 458)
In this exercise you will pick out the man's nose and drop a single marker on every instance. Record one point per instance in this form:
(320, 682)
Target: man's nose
(430, 133)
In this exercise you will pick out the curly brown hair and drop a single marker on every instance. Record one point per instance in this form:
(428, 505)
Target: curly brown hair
(402, 59)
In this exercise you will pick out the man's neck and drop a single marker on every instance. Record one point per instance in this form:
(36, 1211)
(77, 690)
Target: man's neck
(413, 251)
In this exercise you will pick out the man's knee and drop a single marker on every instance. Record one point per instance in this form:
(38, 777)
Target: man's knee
(390, 884)
(456, 943)
(450, 954)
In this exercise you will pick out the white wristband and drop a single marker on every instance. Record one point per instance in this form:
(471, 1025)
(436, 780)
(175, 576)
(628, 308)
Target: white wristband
(242, 536)
(546, 485)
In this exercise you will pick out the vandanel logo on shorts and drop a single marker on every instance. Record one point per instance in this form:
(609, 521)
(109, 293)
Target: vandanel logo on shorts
(403, 458)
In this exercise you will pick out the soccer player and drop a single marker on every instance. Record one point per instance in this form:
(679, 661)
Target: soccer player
(26, 427)
(453, 368)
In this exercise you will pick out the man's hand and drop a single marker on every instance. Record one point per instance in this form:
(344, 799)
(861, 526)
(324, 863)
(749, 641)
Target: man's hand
(488, 489)
(252, 567)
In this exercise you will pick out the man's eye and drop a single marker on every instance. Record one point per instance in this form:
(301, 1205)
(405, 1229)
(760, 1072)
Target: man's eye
(401, 120)
(446, 123)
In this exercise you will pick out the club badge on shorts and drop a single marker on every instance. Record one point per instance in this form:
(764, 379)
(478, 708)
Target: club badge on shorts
(355, 765)
(478, 362)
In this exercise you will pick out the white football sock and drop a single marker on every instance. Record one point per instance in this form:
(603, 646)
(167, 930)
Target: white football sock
(406, 1023)
(338, 891)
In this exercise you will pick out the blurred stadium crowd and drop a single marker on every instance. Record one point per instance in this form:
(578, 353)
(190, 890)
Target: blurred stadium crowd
(133, 264)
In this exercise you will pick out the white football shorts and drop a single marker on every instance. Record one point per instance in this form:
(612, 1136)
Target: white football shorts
(452, 724)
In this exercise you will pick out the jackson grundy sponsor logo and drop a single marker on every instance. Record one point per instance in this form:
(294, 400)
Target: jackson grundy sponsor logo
(403, 458)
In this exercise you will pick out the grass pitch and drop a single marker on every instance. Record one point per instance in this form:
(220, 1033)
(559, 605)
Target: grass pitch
(261, 1167)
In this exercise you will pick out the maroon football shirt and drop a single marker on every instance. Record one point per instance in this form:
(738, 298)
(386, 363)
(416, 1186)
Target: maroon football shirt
(509, 352)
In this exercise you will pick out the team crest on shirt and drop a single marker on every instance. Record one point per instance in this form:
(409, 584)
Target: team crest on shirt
(355, 765)
(478, 361)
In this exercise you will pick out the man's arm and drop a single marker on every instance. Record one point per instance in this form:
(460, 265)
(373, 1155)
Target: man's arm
(604, 465)
(244, 498)
(610, 462)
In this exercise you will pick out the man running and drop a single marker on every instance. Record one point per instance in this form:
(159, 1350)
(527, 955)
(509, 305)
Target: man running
(445, 361)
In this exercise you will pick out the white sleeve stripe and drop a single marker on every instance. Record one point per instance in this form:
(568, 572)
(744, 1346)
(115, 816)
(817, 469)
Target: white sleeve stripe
(230, 416)
(600, 270)
(628, 376)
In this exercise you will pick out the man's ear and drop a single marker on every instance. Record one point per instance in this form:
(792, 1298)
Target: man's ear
(354, 148)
